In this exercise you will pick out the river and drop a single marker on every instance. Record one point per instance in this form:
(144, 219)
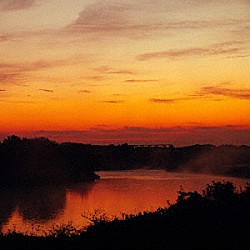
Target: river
(38, 210)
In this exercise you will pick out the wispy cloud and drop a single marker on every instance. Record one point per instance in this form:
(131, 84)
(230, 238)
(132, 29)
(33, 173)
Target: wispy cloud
(14, 73)
(84, 91)
(41, 64)
(227, 48)
(12, 5)
(214, 93)
(144, 19)
(115, 23)
(17, 102)
(46, 90)
(108, 18)
(5, 38)
(243, 94)
(11, 78)
(170, 100)
(109, 70)
(166, 101)
(140, 80)
(114, 101)
(96, 78)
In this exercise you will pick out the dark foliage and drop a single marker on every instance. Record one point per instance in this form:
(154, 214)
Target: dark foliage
(40, 161)
(219, 218)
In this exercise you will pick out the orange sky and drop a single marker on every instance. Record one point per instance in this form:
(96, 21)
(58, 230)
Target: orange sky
(126, 71)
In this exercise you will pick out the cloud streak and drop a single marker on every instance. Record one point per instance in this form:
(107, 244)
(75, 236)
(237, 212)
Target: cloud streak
(6, 38)
(140, 80)
(243, 94)
(40, 64)
(145, 19)
(114, 101)
(11, 78)
(229, 48)
(13, 5)
(165, 101)
(107, 18)
(171, 100)
(84, 91)
(46, 90)
(111, 71)
(14, 73)
(214, 93)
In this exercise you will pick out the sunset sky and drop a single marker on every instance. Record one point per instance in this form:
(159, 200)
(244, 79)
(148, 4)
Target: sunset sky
(113, 71)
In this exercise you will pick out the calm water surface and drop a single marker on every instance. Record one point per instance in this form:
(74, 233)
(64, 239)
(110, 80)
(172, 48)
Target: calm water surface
(115, 193)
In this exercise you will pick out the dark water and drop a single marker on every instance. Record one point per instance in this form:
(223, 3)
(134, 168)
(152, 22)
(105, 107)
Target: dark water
(116, 192)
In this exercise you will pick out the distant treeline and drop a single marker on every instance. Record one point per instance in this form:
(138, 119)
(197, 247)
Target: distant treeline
(40, 160)
(220, 160)
(32, 162)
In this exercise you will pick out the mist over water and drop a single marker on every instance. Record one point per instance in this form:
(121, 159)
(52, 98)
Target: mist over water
(219, 161)
(115, 193)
